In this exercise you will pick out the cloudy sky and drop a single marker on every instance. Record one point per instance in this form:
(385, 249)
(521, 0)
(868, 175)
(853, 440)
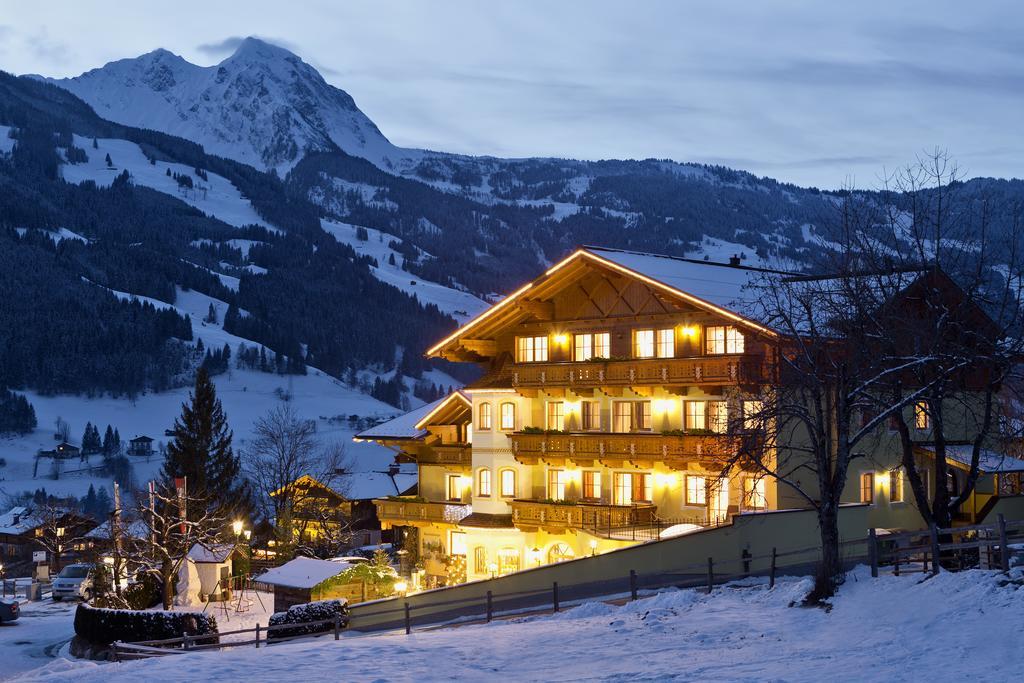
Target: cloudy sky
(814, 93)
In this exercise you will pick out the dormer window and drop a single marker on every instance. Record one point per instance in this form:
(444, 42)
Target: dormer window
(531, 349)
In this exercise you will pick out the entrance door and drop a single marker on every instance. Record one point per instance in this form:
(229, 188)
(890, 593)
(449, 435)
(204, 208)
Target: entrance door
(718, 501)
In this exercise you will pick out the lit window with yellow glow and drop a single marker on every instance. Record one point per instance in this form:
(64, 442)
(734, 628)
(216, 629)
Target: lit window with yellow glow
(922, 420)
(631, 416)
(718, 416)
(590, 415)
(752, 415)
(754, 493)
(508, 416)
(896, 486)
(643, 344)
(588, 346)
(454, 487)
(696, 415)
(631, 487)
(508, 483)
(556, 415)
(531, 349)
(666, 344)
(483, 483)
(480, 560)
(592, 485)
(484, 421)
(457, 542)
(867, 487)
(696, 490)
(722, 339)
(556, 484)
(508, 561)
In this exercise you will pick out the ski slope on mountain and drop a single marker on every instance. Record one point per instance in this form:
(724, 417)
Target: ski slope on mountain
(262, 106)
(460, 305)
(215, 197)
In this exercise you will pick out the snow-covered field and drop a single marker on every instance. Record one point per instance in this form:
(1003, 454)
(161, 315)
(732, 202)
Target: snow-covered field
(221, 199)
(962, 626)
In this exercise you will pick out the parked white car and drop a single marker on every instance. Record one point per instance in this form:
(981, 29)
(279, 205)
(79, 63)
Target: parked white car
(74, 581)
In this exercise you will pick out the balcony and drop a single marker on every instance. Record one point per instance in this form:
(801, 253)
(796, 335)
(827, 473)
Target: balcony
(612, 448)
(556, 517)
(445, 454)
(415, 512)
(705, 370)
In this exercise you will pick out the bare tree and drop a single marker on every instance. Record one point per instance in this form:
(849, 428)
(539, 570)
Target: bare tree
(57, 530)
(284, 449)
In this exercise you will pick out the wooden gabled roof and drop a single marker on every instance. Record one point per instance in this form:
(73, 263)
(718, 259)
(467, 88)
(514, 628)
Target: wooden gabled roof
(713, 287)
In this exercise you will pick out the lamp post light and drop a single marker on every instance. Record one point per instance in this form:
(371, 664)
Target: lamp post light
(593, 547)
(236, 526)
(401, 587)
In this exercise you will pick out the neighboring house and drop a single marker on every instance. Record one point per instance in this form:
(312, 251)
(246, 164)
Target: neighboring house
(22, 526)
(615, 386)
(140, 446)
(63, 451)
(215, 566)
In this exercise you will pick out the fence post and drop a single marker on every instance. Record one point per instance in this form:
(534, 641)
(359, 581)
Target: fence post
(408, 620)
(711, 574)
(1004, 551)
(337, 627)
(187, 641)
(632, 584)
(771, 573)
(935, 549)
(896, 563)
(490, 606)
(745, 558)
(257, 635)
(113, 651)
(873, 551)
(554, 595)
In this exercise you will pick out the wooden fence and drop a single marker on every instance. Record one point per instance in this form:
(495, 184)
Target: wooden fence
(956, 547)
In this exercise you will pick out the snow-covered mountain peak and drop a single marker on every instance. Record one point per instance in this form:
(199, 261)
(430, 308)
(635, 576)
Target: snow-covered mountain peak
(262, 105)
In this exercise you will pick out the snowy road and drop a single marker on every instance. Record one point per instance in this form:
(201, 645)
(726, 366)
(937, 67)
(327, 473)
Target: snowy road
(41, 634)
(954, 627)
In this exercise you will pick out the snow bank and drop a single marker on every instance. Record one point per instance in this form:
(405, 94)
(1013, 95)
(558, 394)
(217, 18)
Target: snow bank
(952, 627)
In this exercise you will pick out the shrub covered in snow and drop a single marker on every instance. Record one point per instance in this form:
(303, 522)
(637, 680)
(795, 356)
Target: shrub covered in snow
(104, 626)
(309, 612)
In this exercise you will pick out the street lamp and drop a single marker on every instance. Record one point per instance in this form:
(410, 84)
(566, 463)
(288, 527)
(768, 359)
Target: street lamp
(236, 526)
(593, 547)
(401, 587)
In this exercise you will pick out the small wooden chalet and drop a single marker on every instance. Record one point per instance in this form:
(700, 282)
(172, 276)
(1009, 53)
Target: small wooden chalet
(303, 580)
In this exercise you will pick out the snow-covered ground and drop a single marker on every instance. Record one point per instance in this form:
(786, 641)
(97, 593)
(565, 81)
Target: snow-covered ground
(246, 395)
(221, 198)
(958, 627)
(460, 305)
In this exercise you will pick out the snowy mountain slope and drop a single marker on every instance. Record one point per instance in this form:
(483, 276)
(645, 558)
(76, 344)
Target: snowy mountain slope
(6, 141)
(460, 305)
(262, 106)
(215, 196)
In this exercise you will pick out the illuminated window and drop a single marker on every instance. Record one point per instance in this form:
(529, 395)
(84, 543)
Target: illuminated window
(696, 415)
(754, 493)
(454, 487)
(556, 415)
(457, 542)
(508, 416)
(556, 484)
(643, 344)
(867, 487)
(752, 418)
(508, 483)
(508, 561)
(588, 346)
(922, 420)
(590, 415)
(483, 483)
(631, 416)
(592, 485)
(896, 486)
(480, 559)
(631, 487)
(723, 339)
(531, 349)
(718, 416)
(666, 346)
(696, 490)
(485, 416)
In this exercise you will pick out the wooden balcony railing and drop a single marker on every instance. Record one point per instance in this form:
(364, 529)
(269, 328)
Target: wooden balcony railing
(580, 515)
(704, 370)
(670, 449)
(445, 454)
(410, 512)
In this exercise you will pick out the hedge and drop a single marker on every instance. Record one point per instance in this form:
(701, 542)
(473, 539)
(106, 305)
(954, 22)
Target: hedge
(104, 626)
(311, 611)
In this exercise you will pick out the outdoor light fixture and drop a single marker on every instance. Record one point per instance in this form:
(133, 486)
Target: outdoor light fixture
(561, 339)
(236, 526)
(401, 587)
(593, 547)
(493, 569)
(247, 533)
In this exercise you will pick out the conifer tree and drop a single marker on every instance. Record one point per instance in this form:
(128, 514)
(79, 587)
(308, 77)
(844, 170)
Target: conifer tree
(201, 449)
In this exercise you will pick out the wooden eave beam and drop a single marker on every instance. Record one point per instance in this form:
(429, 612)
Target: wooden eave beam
(482, 347)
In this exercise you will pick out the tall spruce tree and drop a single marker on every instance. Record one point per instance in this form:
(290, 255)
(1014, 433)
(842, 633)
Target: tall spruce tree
(201, 449)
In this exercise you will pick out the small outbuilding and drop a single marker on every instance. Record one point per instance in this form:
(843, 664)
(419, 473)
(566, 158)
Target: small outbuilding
(305, 579)
(214, 564)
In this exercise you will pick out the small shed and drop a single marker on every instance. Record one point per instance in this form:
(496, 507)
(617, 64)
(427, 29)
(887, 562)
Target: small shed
(214, 565)
(301, 581)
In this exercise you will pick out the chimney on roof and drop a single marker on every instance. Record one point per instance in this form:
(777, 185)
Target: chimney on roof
(734, 260)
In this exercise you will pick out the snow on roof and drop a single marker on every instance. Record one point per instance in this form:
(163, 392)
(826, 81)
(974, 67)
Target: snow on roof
(134, 529)
(988, 461)
(303, 572)
(7, 520)
(215, 554)
(368, 485)
(403, 426)
(720, 284)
